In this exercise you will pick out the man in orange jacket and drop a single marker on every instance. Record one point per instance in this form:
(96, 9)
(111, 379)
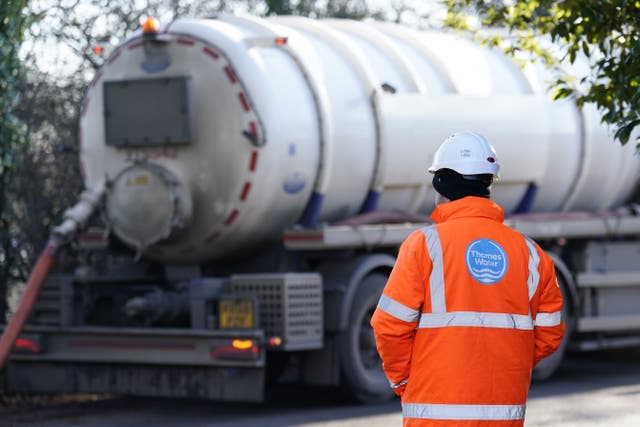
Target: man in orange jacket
(471, 305)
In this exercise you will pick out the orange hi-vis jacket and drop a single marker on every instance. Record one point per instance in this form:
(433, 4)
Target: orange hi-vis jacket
(470, 307)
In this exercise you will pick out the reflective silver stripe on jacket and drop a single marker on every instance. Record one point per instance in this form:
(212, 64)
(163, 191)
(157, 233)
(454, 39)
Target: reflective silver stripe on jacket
(534, 262)
(399, 384)
(436, 280)
(439, 317)
(397, 310)
(549, 319)
(463, 412)
(478, 319)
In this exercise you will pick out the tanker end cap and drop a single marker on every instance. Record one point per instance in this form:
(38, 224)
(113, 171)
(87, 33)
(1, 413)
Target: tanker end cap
(146, 204)
(467, 153)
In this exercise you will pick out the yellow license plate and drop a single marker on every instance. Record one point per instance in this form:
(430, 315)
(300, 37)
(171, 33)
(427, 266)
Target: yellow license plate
(236, 314)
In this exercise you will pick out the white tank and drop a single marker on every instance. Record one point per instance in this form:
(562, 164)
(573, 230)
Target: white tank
(218, 134)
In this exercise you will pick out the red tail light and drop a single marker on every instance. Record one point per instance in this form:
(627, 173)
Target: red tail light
(24, 345)
(235, 349)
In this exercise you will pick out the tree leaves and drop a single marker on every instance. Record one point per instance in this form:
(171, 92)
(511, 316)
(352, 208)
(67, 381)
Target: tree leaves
(11, 131)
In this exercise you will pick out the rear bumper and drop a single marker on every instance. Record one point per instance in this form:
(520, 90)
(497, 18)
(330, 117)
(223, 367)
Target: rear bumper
(142, 362)
(221, 384)
(151, 346)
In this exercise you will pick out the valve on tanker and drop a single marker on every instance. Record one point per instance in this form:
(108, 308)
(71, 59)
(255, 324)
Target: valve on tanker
(146, 204)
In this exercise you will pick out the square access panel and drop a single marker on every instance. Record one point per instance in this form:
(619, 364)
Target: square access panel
(147, 112)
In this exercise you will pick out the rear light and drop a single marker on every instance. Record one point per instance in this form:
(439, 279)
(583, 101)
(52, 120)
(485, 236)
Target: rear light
(27, 346)
(275, 342)
(242, 344)
(268, 41)
(235, 349)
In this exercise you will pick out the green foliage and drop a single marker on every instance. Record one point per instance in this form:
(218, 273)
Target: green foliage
(11, 35)
(605, 32)
(12, 25)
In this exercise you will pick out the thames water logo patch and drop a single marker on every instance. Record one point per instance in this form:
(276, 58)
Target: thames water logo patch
(486, 261)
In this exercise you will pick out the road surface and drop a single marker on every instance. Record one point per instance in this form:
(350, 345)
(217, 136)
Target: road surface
(593, 390)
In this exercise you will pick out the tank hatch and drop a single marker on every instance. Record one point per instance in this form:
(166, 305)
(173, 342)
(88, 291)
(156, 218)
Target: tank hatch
(146, 204)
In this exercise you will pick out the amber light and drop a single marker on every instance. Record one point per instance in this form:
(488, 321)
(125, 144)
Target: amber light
(236, 349)
(150, 26)
(242, 344)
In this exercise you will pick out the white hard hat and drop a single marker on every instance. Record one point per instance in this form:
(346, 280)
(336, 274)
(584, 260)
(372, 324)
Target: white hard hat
(467, 153)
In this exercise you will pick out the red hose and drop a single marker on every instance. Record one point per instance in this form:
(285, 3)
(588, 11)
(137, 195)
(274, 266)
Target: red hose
(36, 279)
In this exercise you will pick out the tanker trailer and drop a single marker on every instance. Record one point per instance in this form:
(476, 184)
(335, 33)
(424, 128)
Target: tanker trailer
(256, 178)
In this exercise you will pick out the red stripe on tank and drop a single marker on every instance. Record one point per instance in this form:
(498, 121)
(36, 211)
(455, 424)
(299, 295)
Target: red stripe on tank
(186, 42)
(135, 44)
(244, 102)
(253, 128)
(113, 58)
(254, 161)
(232, 217)
(231, 75)
(245, 191)
(212, 53)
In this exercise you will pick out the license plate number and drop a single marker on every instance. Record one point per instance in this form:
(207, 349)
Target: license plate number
(236, 314)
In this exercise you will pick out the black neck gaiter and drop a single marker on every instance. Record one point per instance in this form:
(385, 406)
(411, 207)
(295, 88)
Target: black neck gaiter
(454, 186)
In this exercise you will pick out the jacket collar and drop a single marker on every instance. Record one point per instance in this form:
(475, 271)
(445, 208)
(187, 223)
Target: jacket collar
(469, 206)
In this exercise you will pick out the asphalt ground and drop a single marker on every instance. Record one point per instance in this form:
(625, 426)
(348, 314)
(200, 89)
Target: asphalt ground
(595, 389)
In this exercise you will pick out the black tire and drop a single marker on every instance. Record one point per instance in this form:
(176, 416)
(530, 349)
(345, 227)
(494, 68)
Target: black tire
(550, 364)
(361, 367)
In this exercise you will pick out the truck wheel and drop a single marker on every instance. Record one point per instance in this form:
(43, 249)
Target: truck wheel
(550, 364)
(360, 363)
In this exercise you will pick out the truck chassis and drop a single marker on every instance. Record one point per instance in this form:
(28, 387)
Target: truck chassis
(112, 324)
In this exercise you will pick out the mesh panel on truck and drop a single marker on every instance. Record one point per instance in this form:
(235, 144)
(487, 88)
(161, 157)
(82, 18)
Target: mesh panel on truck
(290, 306)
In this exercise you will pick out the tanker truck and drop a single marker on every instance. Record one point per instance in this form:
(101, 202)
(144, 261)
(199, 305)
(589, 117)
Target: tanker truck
(248, 184)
